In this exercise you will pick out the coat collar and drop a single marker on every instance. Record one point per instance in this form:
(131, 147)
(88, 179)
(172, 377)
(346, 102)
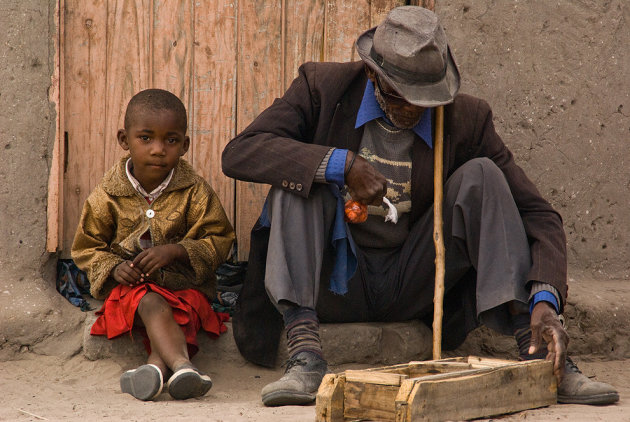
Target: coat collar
(116, 183)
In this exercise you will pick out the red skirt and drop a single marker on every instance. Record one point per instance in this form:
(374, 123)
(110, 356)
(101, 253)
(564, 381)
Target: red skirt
(191, 310)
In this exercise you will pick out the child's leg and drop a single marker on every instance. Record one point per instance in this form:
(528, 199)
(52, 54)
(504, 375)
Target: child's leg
(168, 348)
(168, 344)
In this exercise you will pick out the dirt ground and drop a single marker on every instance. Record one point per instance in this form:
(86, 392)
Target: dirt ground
(38, 388)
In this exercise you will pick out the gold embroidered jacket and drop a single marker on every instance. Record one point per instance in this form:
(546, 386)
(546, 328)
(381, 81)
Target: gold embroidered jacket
(188, 212)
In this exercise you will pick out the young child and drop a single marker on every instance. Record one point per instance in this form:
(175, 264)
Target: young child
(150, 237)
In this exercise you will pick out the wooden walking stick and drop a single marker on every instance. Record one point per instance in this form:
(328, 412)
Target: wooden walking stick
(438, 237)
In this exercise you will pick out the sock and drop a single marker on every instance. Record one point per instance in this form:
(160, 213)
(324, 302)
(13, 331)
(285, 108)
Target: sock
(302, 327)
(523, 336)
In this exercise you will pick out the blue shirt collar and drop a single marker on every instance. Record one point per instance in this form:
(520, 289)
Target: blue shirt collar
(370, 110)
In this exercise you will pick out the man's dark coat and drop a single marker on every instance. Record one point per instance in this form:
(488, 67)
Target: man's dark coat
(286, 143)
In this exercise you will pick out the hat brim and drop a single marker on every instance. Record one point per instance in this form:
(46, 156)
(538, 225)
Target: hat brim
(418, 93)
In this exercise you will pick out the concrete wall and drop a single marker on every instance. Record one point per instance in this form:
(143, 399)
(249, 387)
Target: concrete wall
(555, 73)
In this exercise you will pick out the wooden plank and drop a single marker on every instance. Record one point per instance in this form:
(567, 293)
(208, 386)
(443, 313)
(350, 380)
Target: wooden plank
(380, 8)
(491, 392)
(382, 378)
(213, 121)
(85, 29)
(402, 400)
(128, 55)
(304, 35)
(345, 20)
(259, 69)
(329, 401)
(369, 401)
(54, 225)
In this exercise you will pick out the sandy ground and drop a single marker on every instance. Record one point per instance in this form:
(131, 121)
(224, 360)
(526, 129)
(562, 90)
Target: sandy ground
(39, 388)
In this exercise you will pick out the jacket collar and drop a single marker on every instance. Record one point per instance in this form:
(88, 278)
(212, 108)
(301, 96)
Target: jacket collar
(116, 183)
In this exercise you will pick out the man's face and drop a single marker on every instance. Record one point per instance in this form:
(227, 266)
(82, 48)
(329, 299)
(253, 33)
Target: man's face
(402, 114)
(155, 140)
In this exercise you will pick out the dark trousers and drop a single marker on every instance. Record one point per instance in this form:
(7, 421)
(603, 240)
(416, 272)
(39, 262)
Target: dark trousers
(487, 259)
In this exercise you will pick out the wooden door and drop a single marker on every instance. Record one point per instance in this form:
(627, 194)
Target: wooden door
(226, 60)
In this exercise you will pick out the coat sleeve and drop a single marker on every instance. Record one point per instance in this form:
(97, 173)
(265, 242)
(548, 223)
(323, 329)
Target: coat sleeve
(276, 148)
(542, 223)
(90, 249)
(210, 235)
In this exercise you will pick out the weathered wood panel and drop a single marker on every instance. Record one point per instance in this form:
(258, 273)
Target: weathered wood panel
(259, 69)
(128, 56)
(213, 113)
(226, 60)
(85, 37)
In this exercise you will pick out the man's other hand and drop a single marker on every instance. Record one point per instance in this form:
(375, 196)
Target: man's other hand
(546, 326)
(365, 184)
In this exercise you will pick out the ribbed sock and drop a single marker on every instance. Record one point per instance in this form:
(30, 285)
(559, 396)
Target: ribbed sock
(523, 335)
(302, 327)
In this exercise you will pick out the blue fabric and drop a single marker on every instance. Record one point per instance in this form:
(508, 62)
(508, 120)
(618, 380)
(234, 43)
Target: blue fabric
(544, 296)
(345, 253)
(336, 166)
(370, 110)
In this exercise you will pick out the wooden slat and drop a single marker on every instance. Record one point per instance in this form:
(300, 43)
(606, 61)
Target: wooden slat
(129, 62)
(329, 403)
(171, 49)
(488, 393)
(259, 69)
(383, 378)
(213, 121)
(345, 21)
(54, 224)
(84, 41)
(369, 401)
(304, 31)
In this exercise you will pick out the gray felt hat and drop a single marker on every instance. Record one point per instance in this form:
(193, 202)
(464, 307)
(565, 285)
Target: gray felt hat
(409, 51)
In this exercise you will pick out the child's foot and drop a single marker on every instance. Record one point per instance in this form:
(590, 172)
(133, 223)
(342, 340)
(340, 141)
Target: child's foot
(144, 382)
(187, 382)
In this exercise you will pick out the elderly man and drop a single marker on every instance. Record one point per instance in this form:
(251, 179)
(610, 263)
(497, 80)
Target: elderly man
(364, 131)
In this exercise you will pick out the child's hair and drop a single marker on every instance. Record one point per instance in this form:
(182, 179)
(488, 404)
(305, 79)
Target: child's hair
(155, 100)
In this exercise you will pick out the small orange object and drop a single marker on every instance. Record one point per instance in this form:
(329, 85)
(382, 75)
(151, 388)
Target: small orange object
(356, 212)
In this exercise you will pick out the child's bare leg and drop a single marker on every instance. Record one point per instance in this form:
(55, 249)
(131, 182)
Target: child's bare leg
(168, 343)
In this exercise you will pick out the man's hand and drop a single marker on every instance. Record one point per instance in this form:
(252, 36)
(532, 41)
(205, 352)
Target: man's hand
(546, 326)
(365, 184)
(152, 259)
(126, 274)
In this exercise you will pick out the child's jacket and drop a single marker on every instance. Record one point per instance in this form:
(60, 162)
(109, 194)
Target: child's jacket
(188, 212)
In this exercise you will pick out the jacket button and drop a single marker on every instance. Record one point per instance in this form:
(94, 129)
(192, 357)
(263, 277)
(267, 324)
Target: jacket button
(291, 185)
(285, 183)
(298, 187)
(150, 213)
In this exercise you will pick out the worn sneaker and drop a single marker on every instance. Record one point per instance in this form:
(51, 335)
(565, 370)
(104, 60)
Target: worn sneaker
(144, 382)
(188, 382)
(304, 372)
(578, 389)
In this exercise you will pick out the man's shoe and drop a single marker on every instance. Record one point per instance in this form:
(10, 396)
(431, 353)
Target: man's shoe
(578, 389)
(300, 382)
(144, 382)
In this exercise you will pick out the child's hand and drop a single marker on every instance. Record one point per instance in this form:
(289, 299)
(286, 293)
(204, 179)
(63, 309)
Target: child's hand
(127, 274)
(154, 258)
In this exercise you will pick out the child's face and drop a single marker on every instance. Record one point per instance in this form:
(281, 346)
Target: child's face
(155, 140)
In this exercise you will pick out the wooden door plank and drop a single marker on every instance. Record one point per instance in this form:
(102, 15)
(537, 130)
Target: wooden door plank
(380, 8)
(128, 65)
(345, 20)
(214, 97)
(54, 223)
(304, 35)
(259, 70)
(84, 75)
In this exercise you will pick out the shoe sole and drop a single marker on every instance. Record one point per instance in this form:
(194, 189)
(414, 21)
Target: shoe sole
(287, 398)
(599, 399)
(144, 382)
(188, 383)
